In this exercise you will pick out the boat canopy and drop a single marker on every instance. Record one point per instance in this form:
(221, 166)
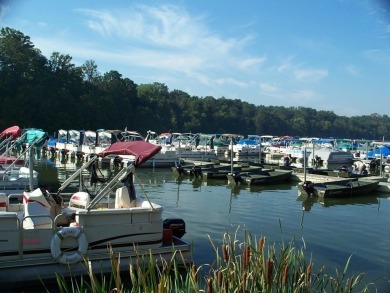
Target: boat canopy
(383, 150)
(247, 141)
(14, 131)
(33, 134)
(142, 150)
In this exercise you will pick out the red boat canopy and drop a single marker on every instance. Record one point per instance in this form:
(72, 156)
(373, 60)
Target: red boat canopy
(15, 131)
(142, 150)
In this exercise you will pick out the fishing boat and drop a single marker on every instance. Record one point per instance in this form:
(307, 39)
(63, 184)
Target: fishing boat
(338, 188)
(42, 236)
(263, 177)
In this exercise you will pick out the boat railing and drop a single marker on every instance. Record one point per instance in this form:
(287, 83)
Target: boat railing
(35, 142)
(49, 224)
(5, 143)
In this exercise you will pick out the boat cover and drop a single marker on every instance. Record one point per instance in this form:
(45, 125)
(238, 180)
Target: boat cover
(38, 136)
(142, 150)
(33, 134)
(384, 150)
(15, 131)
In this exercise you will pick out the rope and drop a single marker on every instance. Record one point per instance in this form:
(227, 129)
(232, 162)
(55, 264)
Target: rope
(143, 190)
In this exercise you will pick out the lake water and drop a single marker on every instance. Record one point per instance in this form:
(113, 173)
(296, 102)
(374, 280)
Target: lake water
(332, 230)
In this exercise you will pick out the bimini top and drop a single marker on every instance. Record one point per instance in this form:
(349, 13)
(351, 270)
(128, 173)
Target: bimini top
(15, 131)
(142, 150)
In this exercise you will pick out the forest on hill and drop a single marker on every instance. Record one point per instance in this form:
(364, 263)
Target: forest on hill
(52, 93)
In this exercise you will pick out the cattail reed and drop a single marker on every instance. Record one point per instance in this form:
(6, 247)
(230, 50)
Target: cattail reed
(285, 274)
(261, 245)
(220, 279)
(271, 275)
(245, 257)
(225, 255)
(308, 274)
(210, 285)
(268, 271)
(244, 278)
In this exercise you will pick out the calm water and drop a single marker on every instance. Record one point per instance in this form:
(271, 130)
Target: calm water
(332, 230)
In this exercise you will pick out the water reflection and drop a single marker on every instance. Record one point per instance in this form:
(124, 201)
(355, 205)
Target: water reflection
(309, 201)
(261, 188)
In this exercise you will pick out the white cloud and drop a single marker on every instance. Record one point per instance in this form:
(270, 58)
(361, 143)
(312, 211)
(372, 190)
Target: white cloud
(353, 70)
(310, 75)
(379, 56)
(269, 89)
(224, 81)
(3, 11)
(304, 96)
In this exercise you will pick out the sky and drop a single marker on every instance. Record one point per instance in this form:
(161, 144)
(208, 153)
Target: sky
(331, 55)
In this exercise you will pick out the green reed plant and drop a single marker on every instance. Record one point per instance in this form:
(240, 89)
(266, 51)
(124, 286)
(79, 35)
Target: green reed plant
(251, 265)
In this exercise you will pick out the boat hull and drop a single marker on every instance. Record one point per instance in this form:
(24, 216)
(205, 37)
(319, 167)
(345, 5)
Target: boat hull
(38, 246)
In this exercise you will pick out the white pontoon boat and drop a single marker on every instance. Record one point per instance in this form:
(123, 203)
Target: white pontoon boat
(41, 237)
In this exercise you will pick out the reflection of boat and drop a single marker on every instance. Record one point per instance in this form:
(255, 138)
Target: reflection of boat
(309, 201)
(338, 188)
(360, 200)
(41, 237)
(261, 188)
(260, 177)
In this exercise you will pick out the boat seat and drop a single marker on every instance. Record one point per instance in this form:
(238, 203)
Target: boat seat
(36, 216)
(35, 196)
(122, 199)
(37, 210)
(3, 202)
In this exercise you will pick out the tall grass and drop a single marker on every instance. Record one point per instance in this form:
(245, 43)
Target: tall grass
(251, 265)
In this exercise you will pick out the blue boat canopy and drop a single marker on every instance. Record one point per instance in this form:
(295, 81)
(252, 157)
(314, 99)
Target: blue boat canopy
(384, 150)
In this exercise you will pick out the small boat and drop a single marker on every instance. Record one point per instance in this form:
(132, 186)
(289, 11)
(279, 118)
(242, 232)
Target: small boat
(263, 177)
(41, 236)
(338, 188)
(213, 171)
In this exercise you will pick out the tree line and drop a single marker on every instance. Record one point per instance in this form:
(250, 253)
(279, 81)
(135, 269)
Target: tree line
(52, 93)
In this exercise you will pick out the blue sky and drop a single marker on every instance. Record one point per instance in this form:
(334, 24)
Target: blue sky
(329, 55)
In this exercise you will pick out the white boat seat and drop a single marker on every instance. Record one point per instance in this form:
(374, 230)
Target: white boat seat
(35, 196)
(122, 199)
(36, 216)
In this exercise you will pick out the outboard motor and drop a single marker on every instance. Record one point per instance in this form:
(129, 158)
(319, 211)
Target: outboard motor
(79, 155)
(236, 177)
(286, 161)
(118, 162)
(52, 151)
(344, 169)
(197, 171)
(177, 226)
(308, 187)
(180, 169)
